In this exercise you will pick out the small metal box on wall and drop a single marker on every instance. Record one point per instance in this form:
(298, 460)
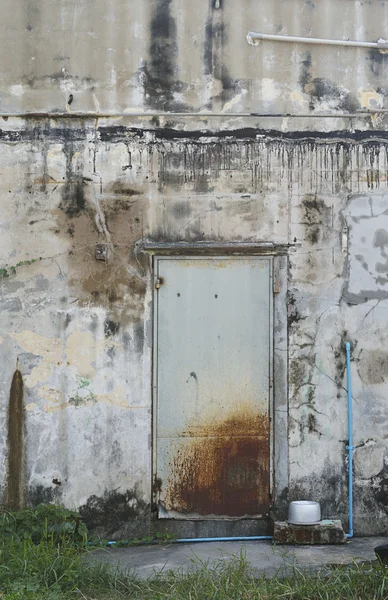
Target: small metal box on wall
(212, 386)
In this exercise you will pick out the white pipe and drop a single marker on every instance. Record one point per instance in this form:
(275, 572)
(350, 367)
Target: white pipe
(254, 39)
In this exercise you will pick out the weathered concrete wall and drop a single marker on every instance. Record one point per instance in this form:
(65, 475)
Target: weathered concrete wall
(79, 329)
(76, 331)
(178, 55)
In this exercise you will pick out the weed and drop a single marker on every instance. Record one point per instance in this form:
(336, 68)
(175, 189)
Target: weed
(46, 520)
(8, 270)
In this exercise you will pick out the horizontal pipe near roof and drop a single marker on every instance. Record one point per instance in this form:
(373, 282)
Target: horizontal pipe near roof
(254, 38)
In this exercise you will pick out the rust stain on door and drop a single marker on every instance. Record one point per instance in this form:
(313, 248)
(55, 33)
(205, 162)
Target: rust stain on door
(222, 468)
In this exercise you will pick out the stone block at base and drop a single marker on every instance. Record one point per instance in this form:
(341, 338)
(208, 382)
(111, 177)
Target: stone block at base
(325, 532)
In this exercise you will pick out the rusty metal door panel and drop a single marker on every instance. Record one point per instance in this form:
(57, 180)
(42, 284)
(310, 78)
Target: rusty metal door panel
(212, 386)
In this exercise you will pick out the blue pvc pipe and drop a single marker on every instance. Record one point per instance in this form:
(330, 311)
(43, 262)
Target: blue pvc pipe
(350, 446)
(220, 539)
(224, 539)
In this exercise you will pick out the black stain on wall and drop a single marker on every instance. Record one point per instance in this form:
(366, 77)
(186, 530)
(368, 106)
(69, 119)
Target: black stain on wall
(305, 76)
(160, 75)
(115, 512)
(111, 328)
(340, 362)
(293, 315)
(120, 133)
(122, 189)
(378, 61)
(73, 192)
(379, 485)
(14, 482)
(181, 210)
(213, 54)
(214, 43)
(40, 494)
(316, 216)
(320, 89)
(138, 337)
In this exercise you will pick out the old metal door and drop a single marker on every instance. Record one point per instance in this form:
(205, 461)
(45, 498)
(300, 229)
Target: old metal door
(212, 365)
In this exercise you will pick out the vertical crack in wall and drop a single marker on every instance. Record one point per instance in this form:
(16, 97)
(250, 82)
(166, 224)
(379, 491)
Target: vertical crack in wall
(14, 492)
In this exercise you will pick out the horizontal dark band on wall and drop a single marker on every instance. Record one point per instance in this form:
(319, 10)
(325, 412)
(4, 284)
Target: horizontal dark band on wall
(124, 134)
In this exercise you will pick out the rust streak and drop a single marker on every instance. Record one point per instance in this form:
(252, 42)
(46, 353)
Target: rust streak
(14, 494)
(222, 468)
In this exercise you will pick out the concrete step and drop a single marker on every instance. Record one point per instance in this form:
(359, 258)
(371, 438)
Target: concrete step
(329, 531)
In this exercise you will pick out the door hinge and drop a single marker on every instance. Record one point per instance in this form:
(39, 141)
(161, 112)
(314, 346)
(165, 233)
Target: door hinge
(159, 281)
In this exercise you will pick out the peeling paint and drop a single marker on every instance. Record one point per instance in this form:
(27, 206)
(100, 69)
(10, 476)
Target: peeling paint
(371, 99)
(80, 351)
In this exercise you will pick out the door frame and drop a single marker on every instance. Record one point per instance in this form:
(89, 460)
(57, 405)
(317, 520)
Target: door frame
(278, 384)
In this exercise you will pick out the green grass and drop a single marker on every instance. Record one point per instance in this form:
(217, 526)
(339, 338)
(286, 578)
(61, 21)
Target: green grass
(45, 555)
(53, 570)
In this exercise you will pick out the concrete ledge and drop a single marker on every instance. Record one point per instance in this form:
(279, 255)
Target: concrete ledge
(202, 528)
(326, 532)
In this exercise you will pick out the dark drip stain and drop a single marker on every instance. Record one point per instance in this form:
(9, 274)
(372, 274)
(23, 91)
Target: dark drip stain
(214, 56)
(214, 42)
(73, 193)
(14, 493)
(305, 71)
(208, 48)
(377, 62)
(159, 77)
